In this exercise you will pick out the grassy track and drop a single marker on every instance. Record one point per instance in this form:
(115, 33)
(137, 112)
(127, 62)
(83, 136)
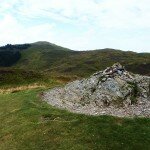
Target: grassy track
(28, 123)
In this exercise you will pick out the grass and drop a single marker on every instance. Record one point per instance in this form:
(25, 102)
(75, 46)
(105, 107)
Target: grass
(41, 56)
(14, 78)
(31, 124)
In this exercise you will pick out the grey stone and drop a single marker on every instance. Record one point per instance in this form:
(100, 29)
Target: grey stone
(113, 91)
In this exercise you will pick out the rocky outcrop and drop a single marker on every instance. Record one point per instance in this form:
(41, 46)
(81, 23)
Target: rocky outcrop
(113, 91)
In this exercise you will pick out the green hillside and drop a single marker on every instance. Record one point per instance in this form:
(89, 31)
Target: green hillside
(11, 78)
(40, 56)
(44, 56)
(88, 62)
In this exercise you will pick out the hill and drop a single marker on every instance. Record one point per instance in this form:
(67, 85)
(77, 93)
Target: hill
(44, 56)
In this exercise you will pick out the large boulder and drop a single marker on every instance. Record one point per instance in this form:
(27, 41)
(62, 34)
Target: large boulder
(113, 91)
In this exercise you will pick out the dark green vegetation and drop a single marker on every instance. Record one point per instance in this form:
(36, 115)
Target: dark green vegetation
(17, 47)
(10, 54)
(134, 93)
(118, 102)
(29, 123)
(16, 77)
(62, 61)
(8, 58)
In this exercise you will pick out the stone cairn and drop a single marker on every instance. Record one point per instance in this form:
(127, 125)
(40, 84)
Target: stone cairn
(113, 91)
(115, 70)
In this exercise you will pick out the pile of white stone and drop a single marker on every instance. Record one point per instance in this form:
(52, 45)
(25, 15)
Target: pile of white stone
(113, 91)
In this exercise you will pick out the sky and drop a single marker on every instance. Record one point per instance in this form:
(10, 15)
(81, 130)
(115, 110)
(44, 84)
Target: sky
(77, 24)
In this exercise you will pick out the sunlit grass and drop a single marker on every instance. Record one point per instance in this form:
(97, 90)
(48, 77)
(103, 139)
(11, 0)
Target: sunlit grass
(26, 122)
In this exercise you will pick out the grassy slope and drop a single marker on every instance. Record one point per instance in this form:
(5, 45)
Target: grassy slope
(41, 55)
(86, 63)
(11, 78)
(29, 123)
(58, 60)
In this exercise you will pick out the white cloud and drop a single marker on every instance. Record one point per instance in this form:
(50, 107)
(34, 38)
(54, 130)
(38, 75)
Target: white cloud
(11, 31)
(78, 24)
(108, 13)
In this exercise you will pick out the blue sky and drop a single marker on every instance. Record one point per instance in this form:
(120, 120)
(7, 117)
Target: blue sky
(77, 24)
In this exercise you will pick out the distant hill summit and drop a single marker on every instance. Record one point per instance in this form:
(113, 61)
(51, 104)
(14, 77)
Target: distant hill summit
(57, 60)
(42, 43)
(49, 45)
(113, 91)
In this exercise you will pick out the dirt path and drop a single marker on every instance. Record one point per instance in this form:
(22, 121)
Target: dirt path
(21, 88)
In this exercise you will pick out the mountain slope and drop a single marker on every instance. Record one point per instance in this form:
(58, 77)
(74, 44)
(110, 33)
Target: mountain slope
(10, 54)
(87, 62)
(41, 56)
